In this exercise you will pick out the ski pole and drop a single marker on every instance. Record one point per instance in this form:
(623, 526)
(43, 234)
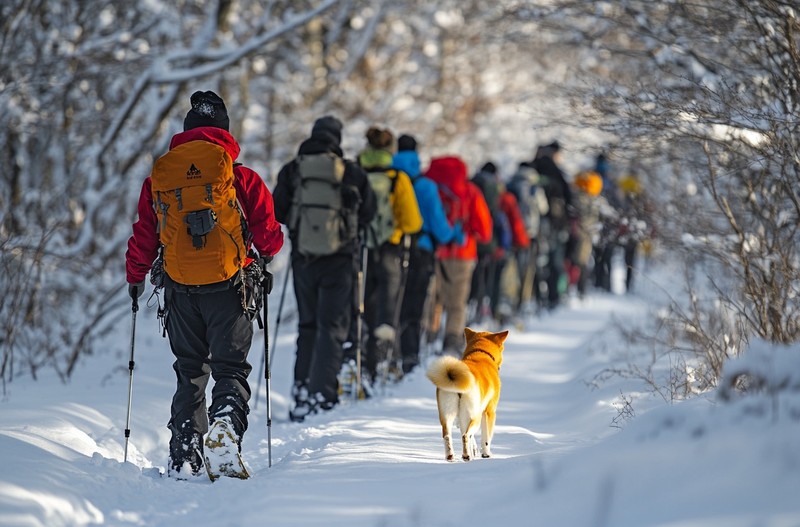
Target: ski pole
(275, 335)
(134, 309)
(266, 289)
(359, 291)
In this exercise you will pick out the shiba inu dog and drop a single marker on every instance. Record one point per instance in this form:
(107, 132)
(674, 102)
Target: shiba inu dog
(469, 388)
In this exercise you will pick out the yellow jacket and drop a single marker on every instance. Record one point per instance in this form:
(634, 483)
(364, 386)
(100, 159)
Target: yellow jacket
(407, 217)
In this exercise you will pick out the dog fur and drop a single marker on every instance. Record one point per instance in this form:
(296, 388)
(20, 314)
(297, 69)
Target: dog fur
(469, 389)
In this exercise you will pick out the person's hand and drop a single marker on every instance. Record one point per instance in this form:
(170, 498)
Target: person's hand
(136, 290)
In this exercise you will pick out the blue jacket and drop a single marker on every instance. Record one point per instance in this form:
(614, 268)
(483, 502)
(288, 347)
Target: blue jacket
(434, 218)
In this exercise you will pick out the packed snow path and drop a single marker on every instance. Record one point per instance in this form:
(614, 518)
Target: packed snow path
(380, 462)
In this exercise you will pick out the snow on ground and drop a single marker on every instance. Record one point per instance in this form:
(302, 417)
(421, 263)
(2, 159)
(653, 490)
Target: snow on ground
(566, 451)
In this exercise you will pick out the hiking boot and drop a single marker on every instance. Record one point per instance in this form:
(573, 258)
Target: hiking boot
(347, 379)
(302, 404)
(321, 404)
(389, 372)
(185, 453)
(223, 452)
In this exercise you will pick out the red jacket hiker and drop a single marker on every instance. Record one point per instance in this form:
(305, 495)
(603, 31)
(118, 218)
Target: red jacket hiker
(463, 203)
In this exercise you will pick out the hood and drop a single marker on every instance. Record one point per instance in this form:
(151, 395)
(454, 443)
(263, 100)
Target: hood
(211, 134)
(450, 171)
(408, 162)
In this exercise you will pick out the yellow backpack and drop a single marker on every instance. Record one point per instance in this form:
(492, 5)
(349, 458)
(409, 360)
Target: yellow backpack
(200, 223)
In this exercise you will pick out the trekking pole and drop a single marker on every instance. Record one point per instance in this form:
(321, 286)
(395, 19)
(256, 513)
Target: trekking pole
(274, 337)
(266, 288)
(359, 291)
(134, 309)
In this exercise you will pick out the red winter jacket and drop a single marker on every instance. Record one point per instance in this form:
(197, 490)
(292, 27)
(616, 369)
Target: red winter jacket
(464, 203)
(251, 192)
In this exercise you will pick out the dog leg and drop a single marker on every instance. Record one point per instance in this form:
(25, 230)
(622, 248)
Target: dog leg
(487, 431)
(446, 417)
(449, 453)
(469, 448)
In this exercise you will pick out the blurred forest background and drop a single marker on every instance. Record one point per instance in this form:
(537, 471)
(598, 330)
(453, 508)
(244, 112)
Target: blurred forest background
(700, 98)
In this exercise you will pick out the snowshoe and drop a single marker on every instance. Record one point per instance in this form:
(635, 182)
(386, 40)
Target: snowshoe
(222, 456)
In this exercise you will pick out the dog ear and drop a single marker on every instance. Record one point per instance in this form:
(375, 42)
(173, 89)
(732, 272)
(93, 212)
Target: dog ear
(468, 333)
(499, 338)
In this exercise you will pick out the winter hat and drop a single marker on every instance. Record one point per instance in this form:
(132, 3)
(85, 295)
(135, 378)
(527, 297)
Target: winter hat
(208, 109)
(379, 139)
(328, 124)
(589, 182)
(406, 142)
(489, 168)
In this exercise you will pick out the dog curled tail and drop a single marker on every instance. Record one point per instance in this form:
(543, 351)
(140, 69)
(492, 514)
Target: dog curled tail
(451, 375)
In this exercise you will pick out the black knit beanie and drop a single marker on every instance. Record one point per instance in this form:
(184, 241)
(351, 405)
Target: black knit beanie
(208, 109)
(406, 142)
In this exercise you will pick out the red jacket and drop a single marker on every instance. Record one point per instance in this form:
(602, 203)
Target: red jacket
(251, 192)
(510, 207)
(464, 203)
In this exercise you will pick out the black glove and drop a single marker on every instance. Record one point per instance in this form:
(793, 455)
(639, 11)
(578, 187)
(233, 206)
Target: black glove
(136, 290)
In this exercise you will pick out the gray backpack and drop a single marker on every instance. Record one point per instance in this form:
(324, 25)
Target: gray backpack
(320, 224)
(382, 225)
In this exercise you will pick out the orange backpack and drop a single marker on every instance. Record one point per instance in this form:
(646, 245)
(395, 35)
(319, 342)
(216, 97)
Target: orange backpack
(201, 226)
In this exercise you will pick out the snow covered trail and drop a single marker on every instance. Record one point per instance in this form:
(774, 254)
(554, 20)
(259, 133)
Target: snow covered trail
(380, 462)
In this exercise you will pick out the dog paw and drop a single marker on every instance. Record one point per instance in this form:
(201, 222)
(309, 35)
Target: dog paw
(451, 457)
(485, 456)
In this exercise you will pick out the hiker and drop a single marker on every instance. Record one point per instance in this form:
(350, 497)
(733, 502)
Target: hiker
(324, 200)
(397, 215)
(532, 202)
(635, 226)
(436, 230)
(507, 284)
(209, 329)
(559, 200)
(608, 238)
(483, 294)
(592, 209)
(464, 205)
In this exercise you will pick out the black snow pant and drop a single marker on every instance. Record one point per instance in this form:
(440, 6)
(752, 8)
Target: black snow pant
(382, 286)
(323, 287)
(602, 266)
(210, 335)
(420, 271)
(630, 263)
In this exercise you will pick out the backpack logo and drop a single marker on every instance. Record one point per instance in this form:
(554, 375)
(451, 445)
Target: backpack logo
(193, 172)
(201, 226)
(319, 221)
